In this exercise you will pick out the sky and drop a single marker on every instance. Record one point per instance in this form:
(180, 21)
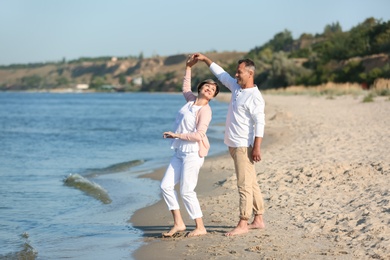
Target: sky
(33, 31)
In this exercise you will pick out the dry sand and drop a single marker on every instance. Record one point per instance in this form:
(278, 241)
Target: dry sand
(325, 177)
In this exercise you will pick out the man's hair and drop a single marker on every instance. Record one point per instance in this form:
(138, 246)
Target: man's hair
(249, 64)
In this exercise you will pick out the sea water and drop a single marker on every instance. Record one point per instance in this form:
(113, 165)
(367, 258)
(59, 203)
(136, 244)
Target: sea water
(70, 166)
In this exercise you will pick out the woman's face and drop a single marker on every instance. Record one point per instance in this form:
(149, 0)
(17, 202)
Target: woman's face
(208, 90)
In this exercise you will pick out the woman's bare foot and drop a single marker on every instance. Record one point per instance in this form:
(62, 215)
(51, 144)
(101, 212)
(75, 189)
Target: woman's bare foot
(197, 232)
(178, 224)
(174, 230)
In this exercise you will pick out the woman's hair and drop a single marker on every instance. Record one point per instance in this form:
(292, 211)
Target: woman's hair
(209, 81)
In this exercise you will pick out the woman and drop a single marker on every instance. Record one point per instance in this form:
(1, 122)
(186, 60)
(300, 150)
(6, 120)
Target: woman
(191, 145)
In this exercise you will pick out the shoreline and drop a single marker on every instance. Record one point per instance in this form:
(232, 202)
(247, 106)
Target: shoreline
(324, 175)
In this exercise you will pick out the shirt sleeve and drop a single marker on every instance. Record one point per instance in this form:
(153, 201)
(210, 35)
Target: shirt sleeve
(188, 95)
(258, 116)
(227, 80)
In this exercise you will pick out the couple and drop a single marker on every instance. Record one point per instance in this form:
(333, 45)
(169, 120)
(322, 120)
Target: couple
(243, 135)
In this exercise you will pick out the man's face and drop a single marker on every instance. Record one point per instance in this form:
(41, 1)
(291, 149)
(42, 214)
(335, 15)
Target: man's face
(242, 74)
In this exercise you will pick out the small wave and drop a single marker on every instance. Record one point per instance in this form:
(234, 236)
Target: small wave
(90, 188)
(115, 168)
(27, 252)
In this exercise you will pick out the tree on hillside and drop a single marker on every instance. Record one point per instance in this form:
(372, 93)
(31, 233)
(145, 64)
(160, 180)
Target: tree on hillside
(332, 28)
(380, 38)
(98, 82)
(141, 56)
(280, 42)
(282, 73)
(34, 81)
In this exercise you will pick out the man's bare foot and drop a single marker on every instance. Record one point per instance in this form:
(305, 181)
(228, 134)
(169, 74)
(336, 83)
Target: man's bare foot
(258, 223)
(174, 230)
(237, 231)
(197, 232)
(242, 228)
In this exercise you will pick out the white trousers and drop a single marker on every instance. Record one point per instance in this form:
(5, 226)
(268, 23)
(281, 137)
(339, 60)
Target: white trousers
(184, 169)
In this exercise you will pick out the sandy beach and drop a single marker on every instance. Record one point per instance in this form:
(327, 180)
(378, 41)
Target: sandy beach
(325, 178)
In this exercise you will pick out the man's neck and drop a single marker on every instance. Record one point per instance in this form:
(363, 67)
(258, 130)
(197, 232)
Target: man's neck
(252, 85)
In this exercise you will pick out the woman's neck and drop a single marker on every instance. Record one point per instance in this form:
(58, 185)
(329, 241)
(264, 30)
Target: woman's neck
(201, 102)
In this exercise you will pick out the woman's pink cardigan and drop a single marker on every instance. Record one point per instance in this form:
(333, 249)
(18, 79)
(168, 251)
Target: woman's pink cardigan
(203, 118)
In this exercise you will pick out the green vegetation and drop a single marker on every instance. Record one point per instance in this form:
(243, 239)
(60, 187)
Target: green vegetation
(162, 83)
(333, 56)
(368, 98)
(98, 82)
(34, 81)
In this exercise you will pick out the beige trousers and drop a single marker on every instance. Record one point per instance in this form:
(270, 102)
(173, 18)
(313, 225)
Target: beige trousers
(251, 200)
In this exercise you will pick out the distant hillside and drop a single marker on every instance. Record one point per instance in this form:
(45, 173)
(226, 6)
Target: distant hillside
(124, 74)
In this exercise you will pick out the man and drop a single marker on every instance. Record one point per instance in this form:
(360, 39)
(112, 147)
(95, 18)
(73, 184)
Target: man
(243, 135)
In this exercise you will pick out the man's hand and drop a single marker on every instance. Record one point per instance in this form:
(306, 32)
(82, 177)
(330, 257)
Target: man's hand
(201, 57)
(256, 155)
(256, 152)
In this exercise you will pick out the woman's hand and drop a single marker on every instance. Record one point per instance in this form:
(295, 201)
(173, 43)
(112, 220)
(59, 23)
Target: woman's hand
(191, 61)
(201, 57)
(170, 135)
